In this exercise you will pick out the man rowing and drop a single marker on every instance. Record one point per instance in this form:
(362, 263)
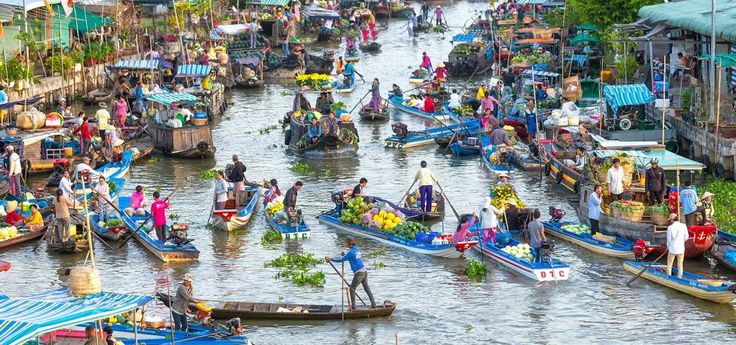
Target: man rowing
(360, 272)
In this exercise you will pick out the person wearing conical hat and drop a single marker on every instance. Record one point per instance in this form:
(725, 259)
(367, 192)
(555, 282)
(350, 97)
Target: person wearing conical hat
(441, 74)
(438, 15)
(13, 217)
(706, 207)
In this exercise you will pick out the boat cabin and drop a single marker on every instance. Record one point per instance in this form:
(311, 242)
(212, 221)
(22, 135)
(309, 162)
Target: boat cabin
(197, 80)
(175, 135)
(625, 116)
(41, 150)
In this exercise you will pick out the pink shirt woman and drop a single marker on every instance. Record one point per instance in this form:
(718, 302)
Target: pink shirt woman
(121, 112)
(462, 233)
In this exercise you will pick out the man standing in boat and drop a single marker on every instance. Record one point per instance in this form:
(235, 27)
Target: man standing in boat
(689, 200)
(237, 177)
(291, 195)
(360, 272)
(676, 237)
(158, 211)
(14, 170)
(594, 208)
(426, 178)
(180, 304)
(615, 180)
(656, 183)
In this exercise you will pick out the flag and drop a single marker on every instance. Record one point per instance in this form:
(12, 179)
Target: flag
(67, 6)
(48, 7)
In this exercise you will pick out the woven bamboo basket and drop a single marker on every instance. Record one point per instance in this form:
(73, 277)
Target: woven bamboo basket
(659, 218)
(199, 122)
(633, 216)
(84, 281)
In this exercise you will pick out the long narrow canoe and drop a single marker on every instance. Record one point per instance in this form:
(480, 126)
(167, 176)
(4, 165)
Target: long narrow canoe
(539, 271)
(428, 136)
(714, 290)
(105, 232)
(398, 103)
(462, 149)
(166, 252)
(618, 248)
(286, 231)
(231, 218)
(487, 151)
(724, 249)
(332, 219)
(125, 334)
(270, 311)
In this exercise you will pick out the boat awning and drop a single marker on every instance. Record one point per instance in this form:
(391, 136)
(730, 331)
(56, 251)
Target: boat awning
(587, 27)
(618, 96)
(724, 59)
(585, 38)
(232, 29)
(193, 70)
(315, 12)
(268, 2)
(465, 38)
(667, 160)
(22, 319)
(248, 61)
(170, 98)
(29, 101)
(535, 2)
(136, 64)
(537, 40)
(540, 73)
(30, 138)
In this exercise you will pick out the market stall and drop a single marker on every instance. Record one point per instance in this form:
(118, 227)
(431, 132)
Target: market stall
(625, 116)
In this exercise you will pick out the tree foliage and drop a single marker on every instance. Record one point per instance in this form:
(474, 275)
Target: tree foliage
(602, 13)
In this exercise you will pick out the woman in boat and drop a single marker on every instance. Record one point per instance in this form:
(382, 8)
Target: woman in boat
(314, 132)
(180, 303)
(375, 103)
(426, 63)
(396, 91)
(61, 207)
(273, 190)
(531, 119)
(462, 233)
(12, 216)
(220, 191)
(35, 220)
(138, 202)
(348, 75)
(706, 207)
(429, 105)
(339, 65)
(489, 220)
(121, 111)
(103, 198)
(330, 125)
(441, 74)
(489, 102)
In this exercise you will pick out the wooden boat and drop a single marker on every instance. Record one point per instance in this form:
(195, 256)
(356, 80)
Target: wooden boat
(618, 248)
(489, 151)
(370, 47)
(367, 113)
(328, 147)
(525, 159)
(77, 243)
(270, 311)
(338, 87)
(428, 136)
(117, 170)
(107, 233)
(166, 252)
(125, 334)
(4, 266)
(332, 219)
(419, 76)
(24, 236)
(724, 249)
(714, 290)
(230, 218)
(412, 210)
(141, 147)
(539, 271)
(398, 103)
(469, 146)
(700, 237)
(43, 149)
(184, 142)
(97, 96)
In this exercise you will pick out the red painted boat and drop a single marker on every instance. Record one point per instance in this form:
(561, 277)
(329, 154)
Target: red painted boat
(25, 237)
(4, 266)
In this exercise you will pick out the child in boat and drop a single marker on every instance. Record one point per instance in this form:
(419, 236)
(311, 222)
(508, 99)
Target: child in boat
(138, 202)
(462, 233)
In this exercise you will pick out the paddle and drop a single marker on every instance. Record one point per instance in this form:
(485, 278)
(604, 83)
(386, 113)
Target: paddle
(359, 102)
(645, 268)
(38, 243)
(448, 200)
(145, 222)
(407, 193)
(345, 281)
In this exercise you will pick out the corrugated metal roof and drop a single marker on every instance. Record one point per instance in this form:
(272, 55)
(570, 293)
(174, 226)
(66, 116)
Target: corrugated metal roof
(618, 96)
(695, 15)
(170, 98)
(193, 70)
(6, 13)
(136, 64)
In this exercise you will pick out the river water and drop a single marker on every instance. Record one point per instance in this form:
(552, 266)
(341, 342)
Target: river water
(436, 302)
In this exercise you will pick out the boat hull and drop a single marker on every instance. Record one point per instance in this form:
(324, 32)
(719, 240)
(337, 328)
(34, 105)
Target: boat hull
(4, 266)
(622, 251)
(397, 102)
(723, 244)
(22, 239)
(687, 286)
(444, 251)
(287, 232)
(535, 271)
(232, 219)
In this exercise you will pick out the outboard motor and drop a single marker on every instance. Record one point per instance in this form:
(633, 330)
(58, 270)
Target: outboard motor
(179, 234)
(640, 250)
(556, 213)
(400, 129)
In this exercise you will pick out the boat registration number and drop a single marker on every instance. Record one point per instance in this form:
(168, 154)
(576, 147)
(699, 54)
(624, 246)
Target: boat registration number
(552, 274)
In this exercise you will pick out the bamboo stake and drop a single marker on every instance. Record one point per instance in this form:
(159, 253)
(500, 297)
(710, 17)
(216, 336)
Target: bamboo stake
(602, 118)
(664, 97)
(89, 225)
(718, 110)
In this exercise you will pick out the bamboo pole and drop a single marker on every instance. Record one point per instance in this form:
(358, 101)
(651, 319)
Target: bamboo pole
(718, 110)
(664, 98)
(602, 118)
(89, 224)
(562, 42)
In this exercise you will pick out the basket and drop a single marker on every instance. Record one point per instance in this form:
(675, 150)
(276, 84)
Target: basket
(659, 218)
(633, 216)
(615, 212)
(199, 122)
(11, 131)
(84, 281)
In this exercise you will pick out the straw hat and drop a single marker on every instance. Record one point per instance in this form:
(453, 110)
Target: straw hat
(707, 194)
(441, 64)
(188, 277)
(102, 105)
(673, 216)
(501, 175)
(118, 142)
(12, 206)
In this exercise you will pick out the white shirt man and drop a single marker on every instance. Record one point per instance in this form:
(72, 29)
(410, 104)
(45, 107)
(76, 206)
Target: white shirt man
(84, 167)
(66, 186)
(455, 101)
(15, 166)
(677, 235)
(616, 180)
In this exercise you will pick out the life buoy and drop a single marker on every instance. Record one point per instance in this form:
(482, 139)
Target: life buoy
(625, 124)
(203, 146)
(547, 168)
(672, 146)
(287, 137)
(558, 178)
(719, 171)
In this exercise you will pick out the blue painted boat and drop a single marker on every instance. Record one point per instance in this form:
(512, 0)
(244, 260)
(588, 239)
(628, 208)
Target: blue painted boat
(415, 213)
(196, 334)
(554, 270)
(166, 252)
(420, 138)
(105, 232)
(230, 218)
(466, 147)
(487, 151)
(117, 169)
(398, 103)
(287, 231)
(332, 219)
(714, 290)
(724, 249)
(617, 247)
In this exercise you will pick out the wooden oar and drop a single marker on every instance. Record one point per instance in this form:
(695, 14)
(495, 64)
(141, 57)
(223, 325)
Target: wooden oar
(448, 200)
(359, 102)
(345, 281)
(644, 269)
(145, 222)
(407, 193)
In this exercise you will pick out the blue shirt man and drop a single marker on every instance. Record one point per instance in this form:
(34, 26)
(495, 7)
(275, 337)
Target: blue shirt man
(594, 209)
(689, 200)
(360, 273)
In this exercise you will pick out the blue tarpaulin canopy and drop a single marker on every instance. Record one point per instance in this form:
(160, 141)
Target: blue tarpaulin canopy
(169, 98)
(667, 160)
(464, 38)
(193, 70)
(618, 96)
(136, 64)
(22, 319)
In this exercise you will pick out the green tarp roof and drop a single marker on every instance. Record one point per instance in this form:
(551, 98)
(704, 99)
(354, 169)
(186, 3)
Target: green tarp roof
(81, 20)
(695, 15)
(724, 59)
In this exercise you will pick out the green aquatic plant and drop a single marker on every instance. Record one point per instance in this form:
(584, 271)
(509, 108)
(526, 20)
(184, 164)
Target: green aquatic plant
(208, 174)
(296, 268)
(270, 236)
(476, 270)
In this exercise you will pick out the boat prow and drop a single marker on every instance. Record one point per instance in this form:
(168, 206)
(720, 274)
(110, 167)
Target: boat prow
(539, 271)
(714, 290)
(230, 218)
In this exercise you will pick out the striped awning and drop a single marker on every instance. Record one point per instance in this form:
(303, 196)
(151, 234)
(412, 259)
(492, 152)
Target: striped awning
(193, 70)
(524, 2)
(618, 96)
(170, 98)
(667, 160)
(541, 73)
(269, 2)
(22, 319)
(136, 64)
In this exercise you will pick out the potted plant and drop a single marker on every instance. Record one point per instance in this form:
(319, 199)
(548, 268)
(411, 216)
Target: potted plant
(91, 54)
(77, 59)
(59, 64)
(107, 51)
